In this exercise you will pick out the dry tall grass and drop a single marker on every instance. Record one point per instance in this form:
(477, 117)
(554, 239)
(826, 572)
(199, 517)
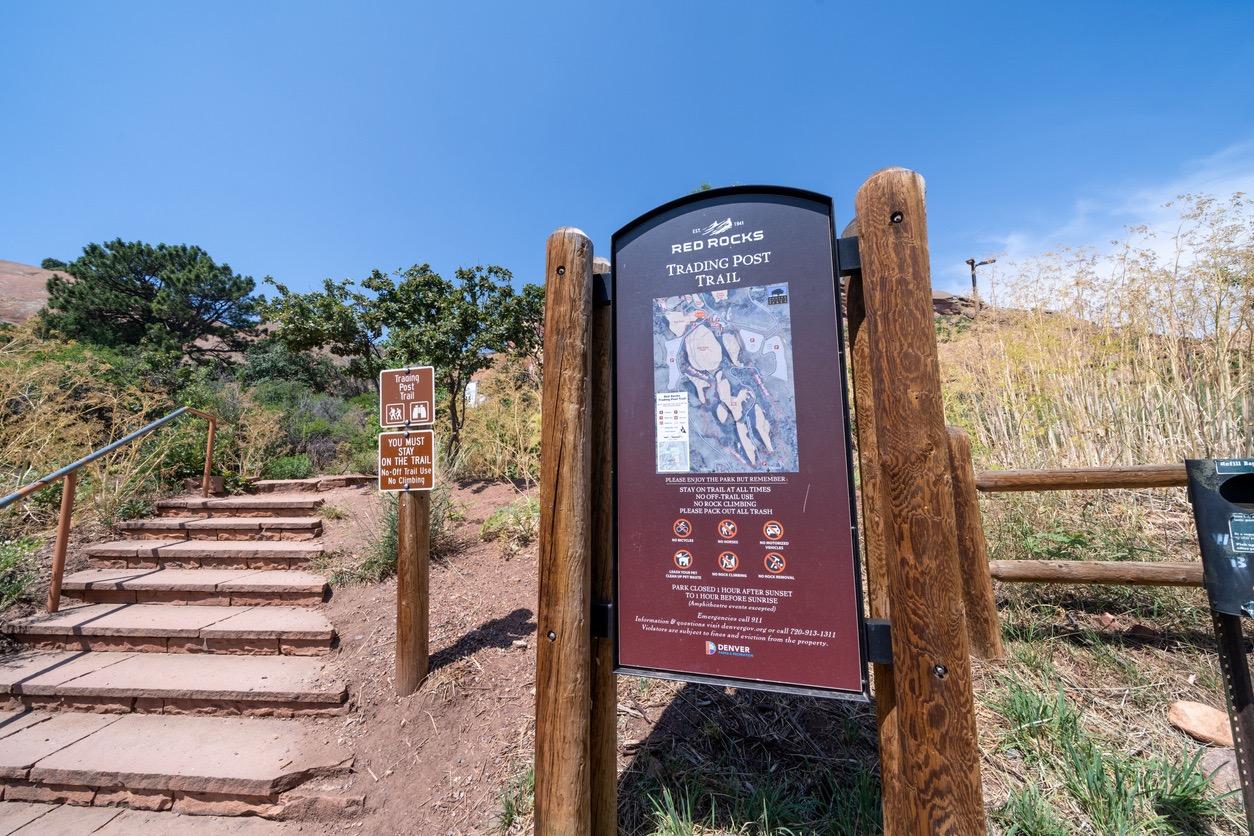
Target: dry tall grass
(1138, 354)
(59, 401)
(1144, 354)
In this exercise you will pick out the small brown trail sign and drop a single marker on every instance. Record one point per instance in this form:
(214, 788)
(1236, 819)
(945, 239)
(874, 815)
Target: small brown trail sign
(407, 460)
(407, 396)
(407, 466)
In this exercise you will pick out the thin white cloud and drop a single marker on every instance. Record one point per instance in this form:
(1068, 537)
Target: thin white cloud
(1104, 216)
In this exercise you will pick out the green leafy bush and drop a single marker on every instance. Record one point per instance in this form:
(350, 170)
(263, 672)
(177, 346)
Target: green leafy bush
(515, 526)
(289, 467)
(18, 570)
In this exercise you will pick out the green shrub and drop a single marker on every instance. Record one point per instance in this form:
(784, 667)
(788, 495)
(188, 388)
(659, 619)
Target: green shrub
(1027, 813)
(18, 570)
(380, 559)
(289, 467)
(515, 526)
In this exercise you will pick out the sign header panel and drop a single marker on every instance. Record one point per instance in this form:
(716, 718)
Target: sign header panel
(407, 460)
(1222, 493)
(735, 548)
(407, 396)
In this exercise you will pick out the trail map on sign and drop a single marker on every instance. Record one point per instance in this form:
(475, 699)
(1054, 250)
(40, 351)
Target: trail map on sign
(724, 395)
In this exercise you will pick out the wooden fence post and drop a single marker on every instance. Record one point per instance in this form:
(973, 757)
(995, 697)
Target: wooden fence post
(564, 646)
(413, 574)
(983, 628)
(603, 743)
(939, 766)
(872, 526)
(68, 488)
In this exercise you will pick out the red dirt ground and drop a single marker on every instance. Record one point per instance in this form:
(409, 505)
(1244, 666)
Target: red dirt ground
(435, 761)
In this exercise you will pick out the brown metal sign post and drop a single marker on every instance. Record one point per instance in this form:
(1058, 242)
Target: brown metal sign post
(687, 440)
(407, 467)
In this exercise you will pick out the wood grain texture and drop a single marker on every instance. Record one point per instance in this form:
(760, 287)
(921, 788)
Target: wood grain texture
(413, 585)
(68, 488)
(935, 724)
(1120, 572)
(603, 743)
(564, 643)
(983, 626)
(1083, 478)
(872, 527)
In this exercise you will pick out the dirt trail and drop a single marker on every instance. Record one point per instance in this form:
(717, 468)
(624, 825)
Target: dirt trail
(435, 762)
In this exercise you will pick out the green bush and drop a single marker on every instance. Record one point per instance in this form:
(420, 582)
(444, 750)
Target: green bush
(17, 568)
(515, 526)
(380, 559)
(289, 467)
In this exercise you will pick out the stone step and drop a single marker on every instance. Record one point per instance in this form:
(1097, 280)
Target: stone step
(209, 554)
(177, 628)
(209, 587)
(21, 818)
(240, 506)
(171, 683)
(315, 483)
(223, 528)
(188, 764)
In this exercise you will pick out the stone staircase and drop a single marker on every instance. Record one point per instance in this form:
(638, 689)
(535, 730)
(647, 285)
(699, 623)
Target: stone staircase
(170, 676)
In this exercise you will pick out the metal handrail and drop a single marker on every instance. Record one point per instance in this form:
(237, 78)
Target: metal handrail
(70, 474)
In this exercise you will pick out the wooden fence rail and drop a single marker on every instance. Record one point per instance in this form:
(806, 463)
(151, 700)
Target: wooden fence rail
(1083, 478)
(1120, 572)
(981, 610)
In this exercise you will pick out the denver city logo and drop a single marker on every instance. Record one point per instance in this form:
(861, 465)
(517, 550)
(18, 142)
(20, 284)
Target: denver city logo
(713, 649)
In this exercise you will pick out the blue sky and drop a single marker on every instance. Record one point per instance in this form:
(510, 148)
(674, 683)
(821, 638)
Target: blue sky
(305, 140)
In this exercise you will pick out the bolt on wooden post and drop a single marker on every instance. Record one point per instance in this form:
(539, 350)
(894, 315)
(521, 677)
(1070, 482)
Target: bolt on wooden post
(564, 646)
(935, 733)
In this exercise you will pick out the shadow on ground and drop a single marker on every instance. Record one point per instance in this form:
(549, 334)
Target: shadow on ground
(499, 632)
(750, 761)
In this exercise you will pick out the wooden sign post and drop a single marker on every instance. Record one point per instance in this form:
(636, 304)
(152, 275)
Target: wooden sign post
(407, 467)
(929, 758)
(931, 739)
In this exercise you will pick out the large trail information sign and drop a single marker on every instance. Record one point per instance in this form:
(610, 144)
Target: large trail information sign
(736, 560)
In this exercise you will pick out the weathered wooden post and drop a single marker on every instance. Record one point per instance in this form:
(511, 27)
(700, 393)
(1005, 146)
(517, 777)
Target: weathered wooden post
(413, 573)
(934, 728)
(872, 526)
(564, 647)
(983, 628)
(603, 743)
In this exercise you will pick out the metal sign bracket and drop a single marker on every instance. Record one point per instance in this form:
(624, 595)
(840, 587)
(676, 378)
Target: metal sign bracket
(879, 641)
(602, 618)
(848, 257)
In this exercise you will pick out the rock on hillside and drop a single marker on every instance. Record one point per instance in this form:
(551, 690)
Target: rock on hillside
(23, 291)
